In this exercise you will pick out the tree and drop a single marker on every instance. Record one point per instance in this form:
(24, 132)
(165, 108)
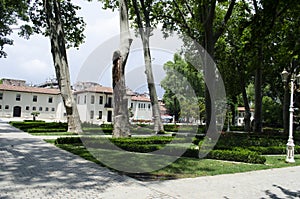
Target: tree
(10, 12)
(184, 89)
(201, 21)
(64, 28)
(121, 117)
(143, 21)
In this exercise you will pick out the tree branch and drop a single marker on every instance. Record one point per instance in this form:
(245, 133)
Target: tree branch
(225, 21)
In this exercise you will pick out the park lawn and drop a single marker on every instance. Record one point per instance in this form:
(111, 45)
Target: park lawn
(189, 167)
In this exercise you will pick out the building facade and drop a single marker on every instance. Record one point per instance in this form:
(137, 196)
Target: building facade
(20, 101)
(94, 103)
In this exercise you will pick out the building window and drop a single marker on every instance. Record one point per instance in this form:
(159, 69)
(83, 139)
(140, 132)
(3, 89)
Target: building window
(131, 105)
(50, 99)
(149, 106)
(46, 109)
(18, 97)
(6, 107)
(33, 108)
(100, 115)
(27, 108)
(41, 109)
(78, 100)
(0, 106)
(1, 96)
(101, 100)
(92, 99)
(53, 109)
(34, 98)
(92, 115)
(84, 99)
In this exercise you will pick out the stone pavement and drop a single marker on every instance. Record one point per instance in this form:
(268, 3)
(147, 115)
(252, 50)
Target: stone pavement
(31, 168)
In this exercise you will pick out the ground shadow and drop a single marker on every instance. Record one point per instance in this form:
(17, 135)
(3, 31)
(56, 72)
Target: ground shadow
(287, 193)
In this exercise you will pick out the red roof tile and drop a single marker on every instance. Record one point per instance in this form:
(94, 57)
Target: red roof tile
(97, 89)
(29, 89)
(140, 98)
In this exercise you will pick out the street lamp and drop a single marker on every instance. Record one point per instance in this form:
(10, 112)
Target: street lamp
(290, 144)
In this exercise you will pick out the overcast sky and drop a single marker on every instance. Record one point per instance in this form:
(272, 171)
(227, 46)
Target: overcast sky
(31, 60)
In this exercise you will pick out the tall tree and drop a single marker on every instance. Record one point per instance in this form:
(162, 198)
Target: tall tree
(121, 116)
(201, 21)
(143, 10)
(57, 37)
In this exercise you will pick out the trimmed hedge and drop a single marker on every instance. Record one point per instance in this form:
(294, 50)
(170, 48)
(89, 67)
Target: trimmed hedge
(146, 145)
(238, 156)
(25, 126)
(42, 130)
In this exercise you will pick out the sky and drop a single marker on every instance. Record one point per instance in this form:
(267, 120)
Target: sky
(31, 60)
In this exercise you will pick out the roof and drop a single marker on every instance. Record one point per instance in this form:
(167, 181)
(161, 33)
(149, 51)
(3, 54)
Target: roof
(142, 98)
(96, 89)
(243, 109)
(29, 89)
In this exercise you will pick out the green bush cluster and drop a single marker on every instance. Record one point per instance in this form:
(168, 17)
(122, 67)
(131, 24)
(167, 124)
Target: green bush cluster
(171, 127)
(241, 155)
(25, 126)
(45, 130)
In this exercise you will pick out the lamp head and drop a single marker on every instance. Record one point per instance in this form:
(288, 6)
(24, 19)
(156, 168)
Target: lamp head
(298, 79)
(284, 76)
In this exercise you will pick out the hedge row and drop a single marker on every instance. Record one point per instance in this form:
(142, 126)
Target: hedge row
(238, 156)
(46, 130)
(146, 145)
(25, 126)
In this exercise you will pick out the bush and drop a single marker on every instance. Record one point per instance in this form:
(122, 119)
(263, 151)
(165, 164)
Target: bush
(68, 140)
(42, 130)
(237, 155)
(171, 127)
(25, 126)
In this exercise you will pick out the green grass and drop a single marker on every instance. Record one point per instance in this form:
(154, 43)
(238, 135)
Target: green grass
(188, 167)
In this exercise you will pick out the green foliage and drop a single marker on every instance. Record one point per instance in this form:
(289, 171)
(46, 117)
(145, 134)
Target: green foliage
(184, 86)
(10, 12)
(272, 112)
(25, 126)
(237, 155)
(45, 130)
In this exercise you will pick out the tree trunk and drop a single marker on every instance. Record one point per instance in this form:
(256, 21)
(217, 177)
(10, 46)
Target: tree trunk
(158, 125)
(258, 93)
(210, 78)
(59, 55)
(258, 101)
(121, 116)
(247, 118)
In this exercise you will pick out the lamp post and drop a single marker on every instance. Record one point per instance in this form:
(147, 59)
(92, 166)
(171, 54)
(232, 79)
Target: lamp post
(290, 144)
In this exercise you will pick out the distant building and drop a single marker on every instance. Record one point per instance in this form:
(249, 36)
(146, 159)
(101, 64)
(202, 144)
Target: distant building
(94, 102)
(241, 115)
(18, 101)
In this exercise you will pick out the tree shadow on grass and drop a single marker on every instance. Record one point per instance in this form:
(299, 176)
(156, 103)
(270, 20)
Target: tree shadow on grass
(287, 193)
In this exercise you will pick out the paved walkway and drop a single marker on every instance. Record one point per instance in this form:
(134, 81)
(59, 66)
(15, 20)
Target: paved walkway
(31, 168)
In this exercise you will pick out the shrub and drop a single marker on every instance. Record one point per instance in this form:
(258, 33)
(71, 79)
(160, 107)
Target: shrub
(68, 140)
(41, 130)
(171, 127)
(237, 155)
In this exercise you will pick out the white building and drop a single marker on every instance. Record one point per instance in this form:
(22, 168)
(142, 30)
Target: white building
(94, 103)
(241, 115)
(141, 108)
(18, 101)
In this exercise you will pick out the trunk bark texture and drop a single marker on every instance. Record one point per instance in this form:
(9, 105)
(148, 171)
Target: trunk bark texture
(121, 116)
(59, 55)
